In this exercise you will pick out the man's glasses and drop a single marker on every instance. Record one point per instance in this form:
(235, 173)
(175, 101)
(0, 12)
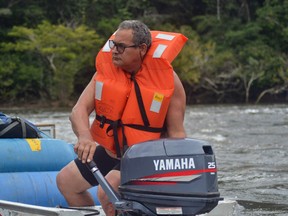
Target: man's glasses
(120, 47)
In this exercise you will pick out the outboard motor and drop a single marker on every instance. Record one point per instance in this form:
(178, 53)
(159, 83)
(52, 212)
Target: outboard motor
(171, 176)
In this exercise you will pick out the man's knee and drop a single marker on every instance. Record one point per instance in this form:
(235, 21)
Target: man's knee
(61, 180)
(67, 178)
(113, 177)
(101, 195)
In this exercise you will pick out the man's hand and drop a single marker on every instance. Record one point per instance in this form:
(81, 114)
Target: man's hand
(85, 148)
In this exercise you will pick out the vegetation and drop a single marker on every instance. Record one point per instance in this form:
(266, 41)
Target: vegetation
(237, 50)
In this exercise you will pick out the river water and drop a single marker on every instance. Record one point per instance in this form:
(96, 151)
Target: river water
(249, 141)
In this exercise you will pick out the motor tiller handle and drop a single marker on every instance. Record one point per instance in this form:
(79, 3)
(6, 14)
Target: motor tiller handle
(112, 195)
(92, 164)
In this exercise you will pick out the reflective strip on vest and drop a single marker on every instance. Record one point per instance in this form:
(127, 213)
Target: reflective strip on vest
(98, 90)
(165, 36)
(161, 47)
(159, 51)
(106, 47)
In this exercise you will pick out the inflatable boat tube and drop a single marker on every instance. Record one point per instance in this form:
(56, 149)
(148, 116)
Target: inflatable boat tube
(33, 155)
(35, 188)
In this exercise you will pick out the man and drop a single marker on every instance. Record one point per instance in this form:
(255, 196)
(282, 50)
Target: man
(133, 96)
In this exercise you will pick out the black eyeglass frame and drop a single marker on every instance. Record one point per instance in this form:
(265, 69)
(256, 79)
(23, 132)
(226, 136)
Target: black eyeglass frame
(120, 47)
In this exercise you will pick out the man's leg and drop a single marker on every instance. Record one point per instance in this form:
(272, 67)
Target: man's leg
(73, 186)
(113, 177)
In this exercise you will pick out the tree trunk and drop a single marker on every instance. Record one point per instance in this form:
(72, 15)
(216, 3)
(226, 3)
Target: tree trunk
(218, 10)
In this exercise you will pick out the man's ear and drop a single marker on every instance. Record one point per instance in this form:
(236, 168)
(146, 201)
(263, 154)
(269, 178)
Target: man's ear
(143, 49)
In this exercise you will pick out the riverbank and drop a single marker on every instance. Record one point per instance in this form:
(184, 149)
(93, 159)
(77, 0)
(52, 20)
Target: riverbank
(58, 105)
(43, 105)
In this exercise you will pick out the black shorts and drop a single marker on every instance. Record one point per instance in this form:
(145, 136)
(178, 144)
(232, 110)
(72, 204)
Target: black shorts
(104, 162)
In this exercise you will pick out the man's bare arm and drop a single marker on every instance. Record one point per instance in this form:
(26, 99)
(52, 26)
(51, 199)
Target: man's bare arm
(85, 147)
(176, 111)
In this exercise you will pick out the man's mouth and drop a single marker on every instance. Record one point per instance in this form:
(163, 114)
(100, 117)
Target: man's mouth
(115, 58)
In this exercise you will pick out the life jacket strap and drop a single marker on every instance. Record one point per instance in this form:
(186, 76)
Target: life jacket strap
(144, 128)
(140, 102)
(103, 120)
(114, 125)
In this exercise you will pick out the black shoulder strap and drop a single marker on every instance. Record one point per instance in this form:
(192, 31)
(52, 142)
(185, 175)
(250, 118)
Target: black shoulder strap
(140, 102)
(23, 126)
(8, 128)
(20, 128)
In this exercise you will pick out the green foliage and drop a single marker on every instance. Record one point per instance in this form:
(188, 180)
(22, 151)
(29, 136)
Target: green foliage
(107, 26)
(68, 12)
(194, 57)
(246, 36)
(106, 16)
(64, 49)
(19, 79)
(7, 67)
(237, 50)
(283, 71)
(273, 19)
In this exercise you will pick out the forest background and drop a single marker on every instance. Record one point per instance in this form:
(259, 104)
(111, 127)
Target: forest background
(237, 50)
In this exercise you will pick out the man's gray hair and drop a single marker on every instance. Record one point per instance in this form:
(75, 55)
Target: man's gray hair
(141, 33)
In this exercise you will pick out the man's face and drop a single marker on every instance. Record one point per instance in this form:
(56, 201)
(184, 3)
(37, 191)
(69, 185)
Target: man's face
(130, 59)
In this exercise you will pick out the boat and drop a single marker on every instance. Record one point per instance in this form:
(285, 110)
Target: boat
(28, 172)
(224, 208)
(29, 166)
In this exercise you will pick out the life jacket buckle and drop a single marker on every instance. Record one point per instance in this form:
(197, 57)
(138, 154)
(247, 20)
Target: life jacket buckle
(102, 121)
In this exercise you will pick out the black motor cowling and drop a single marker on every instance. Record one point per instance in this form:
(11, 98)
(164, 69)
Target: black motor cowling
(171, 176)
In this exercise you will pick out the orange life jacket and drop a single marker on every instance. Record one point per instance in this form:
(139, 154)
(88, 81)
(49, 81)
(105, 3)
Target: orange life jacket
(129, 109)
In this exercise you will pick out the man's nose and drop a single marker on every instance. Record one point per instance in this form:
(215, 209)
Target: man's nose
(114, 49)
